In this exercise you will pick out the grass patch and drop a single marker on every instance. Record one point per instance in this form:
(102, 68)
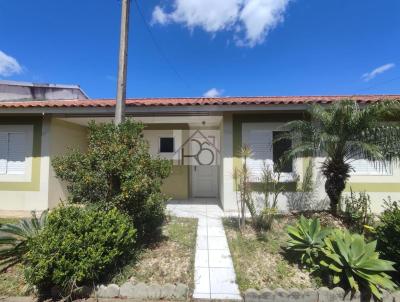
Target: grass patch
(171, 260)
(259, 261)
(5, 220)
(12, 282)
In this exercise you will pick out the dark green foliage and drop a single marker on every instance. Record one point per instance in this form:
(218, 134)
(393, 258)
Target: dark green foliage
(355, 264)
(388, 233)
(307, 239)
(343, 132)
(78, 246)
(340, 257)
(14, 238)
(357, 211)
(117, 171)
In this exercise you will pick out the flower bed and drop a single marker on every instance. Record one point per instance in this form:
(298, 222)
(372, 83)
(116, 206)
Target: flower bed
(258, 259)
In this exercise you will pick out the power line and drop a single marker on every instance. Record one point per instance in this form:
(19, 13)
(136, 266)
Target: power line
(160, 49)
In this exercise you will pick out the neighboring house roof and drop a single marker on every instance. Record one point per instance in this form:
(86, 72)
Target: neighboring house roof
(28, 91)
(159, 102)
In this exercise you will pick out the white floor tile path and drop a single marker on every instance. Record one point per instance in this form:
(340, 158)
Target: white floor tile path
(214, 273)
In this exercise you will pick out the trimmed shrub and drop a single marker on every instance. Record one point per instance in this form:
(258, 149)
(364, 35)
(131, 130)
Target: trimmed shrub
(117, 171)
(78, 246)
(388, 233)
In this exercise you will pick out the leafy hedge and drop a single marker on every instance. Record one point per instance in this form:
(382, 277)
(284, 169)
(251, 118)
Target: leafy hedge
(78, 246)
(388, 233)
(117, 171)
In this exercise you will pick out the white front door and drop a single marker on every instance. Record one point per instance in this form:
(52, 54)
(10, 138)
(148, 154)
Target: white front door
(205, 181)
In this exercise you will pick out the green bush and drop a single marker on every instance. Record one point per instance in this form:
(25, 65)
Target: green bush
(117, 171)
(388, 232)
(355, 264)
(356, 210)
(307, 239)
(78, 246)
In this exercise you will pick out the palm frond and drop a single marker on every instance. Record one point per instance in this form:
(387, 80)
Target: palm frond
(345, 131)
(13, 238)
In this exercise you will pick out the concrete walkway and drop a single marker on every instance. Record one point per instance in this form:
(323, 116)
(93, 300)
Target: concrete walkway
(214, 273)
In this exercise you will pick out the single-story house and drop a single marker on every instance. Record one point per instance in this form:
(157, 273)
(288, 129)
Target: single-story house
(201, 136)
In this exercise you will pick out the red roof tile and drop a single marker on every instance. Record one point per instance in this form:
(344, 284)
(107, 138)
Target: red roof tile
(267, 100)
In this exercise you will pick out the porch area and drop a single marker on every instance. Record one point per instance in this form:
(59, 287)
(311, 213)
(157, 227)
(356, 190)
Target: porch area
(191, 143)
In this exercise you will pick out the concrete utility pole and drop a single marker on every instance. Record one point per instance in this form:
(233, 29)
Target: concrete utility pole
(122, 63)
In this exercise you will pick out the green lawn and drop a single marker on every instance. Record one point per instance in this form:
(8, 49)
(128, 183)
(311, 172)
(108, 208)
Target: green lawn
(5, 220)
(259, 259)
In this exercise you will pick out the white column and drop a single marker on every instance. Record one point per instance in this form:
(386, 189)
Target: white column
(227, 194)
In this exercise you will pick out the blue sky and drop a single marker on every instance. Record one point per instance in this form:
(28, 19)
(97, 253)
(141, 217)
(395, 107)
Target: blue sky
(237, 47)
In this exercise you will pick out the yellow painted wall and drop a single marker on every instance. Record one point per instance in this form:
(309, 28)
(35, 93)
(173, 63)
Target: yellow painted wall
(63, 137)
(176, 186)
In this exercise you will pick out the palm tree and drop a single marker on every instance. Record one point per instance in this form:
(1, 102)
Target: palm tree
(343, 132)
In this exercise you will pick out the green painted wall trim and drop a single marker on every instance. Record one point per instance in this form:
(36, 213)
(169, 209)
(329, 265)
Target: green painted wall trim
(34, 184)
(287, 186)
(373, 187)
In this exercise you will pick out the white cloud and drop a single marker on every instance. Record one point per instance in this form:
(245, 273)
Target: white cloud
(213, 93)
(260, 17)
(249, 20)
(381, 69)
(159, 16)
(8, 65)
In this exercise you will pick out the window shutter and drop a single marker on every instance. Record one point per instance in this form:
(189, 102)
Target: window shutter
(3, 152)
(260, 142)
(365, 167)
(16, 154)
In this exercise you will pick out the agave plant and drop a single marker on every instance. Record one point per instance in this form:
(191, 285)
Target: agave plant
(307, 238)
(356, 264)
(13, 238)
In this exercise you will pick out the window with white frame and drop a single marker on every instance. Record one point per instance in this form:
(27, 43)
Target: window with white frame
(12, 153)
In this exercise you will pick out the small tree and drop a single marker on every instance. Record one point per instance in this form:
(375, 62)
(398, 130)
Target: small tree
(343, 132)
(272, 188)
(117, 171)
(243, 187)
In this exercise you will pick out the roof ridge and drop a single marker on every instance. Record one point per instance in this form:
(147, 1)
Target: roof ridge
(226, 101)
(251, 97)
